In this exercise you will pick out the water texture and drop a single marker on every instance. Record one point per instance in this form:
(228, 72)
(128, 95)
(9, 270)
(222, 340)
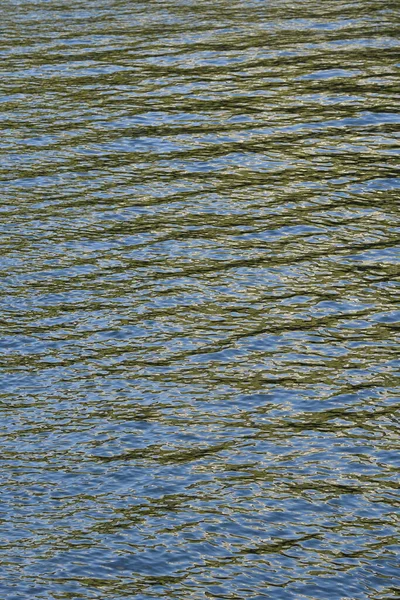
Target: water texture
(199, 299)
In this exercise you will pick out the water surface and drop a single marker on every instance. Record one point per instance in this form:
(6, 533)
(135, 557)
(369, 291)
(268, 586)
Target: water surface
(199, 299)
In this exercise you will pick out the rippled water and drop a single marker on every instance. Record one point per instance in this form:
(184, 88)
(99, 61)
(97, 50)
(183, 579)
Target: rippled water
(199, 299)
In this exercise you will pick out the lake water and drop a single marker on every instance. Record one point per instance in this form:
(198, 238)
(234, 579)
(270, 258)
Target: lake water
(199, 299)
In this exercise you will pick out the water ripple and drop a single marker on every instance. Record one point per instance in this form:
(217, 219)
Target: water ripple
(199, 300)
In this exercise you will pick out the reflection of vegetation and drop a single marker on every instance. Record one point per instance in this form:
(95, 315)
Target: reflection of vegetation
(199, 264)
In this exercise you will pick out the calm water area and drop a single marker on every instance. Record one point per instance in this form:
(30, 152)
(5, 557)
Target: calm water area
(199, 299)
